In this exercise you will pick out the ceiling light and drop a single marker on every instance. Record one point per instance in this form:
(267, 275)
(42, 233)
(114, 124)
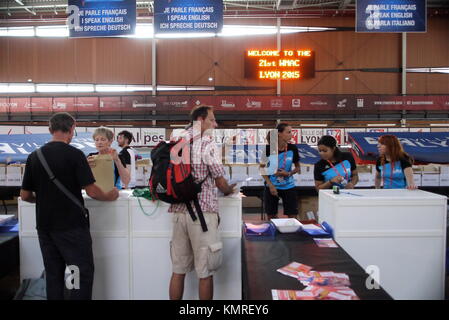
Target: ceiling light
(381, 125)
(17, 88)
(439, 124)
(313, 125)
(179, 125)
(250, 125)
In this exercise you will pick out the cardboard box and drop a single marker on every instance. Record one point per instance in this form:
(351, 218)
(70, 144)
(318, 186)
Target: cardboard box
(254, 173)
(239, 172)
(2, 174)
(305, 178)
(14, 174)
(140, 177)
(444, 176)
(366, 176)
(417, 175)
(306, 204)
(143, 163)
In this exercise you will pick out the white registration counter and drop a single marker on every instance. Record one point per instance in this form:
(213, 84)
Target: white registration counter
(401, 232)
(131, 249)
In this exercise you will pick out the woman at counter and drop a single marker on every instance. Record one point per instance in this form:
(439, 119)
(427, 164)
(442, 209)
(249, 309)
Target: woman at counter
(103, 138)
(335, 167)
(394, 165)
(278, 174)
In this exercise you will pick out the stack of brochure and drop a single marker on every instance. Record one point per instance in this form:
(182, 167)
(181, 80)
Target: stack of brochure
(319, 285)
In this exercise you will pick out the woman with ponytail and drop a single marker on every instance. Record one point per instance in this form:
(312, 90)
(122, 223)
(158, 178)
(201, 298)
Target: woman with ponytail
(279, 167)
(335, 167)
(394, 165)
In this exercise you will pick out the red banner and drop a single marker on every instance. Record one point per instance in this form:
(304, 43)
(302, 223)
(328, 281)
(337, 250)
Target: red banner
(225, 104)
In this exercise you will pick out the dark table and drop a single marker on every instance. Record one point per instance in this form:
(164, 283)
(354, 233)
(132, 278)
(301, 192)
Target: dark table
(261, 259)
(9, 252)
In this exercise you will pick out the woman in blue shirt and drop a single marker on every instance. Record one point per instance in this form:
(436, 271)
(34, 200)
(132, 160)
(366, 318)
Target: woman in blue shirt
(335, 168)
(394, 165)
(278, 173)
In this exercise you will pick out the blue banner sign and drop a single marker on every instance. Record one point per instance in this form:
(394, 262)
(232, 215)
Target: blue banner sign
(427, 147)
(101, 18)
(15, 148)
(391, 16)
(172, 16)
(253, 154)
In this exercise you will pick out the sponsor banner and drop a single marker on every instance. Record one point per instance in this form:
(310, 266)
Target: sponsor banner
(385, 130)
(225, 104)
(86, 104)
(62, 104)
(310, 136)
(20, 105)
(391, 16)
(110, 104)
(101, 18)
(338, 134)
(150, 136)
(173, 16)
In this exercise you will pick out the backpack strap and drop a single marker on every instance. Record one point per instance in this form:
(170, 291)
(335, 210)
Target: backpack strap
(200, 214)
(191, 212)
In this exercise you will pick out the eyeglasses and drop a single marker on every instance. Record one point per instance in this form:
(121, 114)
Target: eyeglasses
(76, 133)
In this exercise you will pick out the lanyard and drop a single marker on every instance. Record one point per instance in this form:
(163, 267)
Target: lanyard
(338, 173)
(285, 158)
(391, 174)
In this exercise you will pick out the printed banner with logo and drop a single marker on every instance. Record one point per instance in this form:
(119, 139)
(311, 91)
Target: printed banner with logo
(188, 16)
(17, 147)
(139, 104)
(101, 18)
(391, 16)
(424, 147)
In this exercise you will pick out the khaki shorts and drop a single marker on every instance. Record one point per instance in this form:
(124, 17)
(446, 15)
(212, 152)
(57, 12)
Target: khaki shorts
(191, 247)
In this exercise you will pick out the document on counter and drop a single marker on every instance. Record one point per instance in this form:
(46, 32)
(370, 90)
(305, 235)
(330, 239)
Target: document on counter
(293, 269)
(104, 172)
(237, 193)
(315, 293)
(325, 243)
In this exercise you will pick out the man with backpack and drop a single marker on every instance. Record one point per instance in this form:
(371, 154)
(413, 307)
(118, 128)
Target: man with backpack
(192, 246)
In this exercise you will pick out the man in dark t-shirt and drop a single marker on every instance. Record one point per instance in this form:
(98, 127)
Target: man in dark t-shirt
(62, 226)
(127, 155)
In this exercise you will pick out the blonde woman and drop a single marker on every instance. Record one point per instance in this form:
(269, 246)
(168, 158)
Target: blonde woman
(103, 138)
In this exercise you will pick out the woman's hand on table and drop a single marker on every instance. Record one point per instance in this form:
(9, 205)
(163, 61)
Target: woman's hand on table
(349, 186)
(337, 179)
